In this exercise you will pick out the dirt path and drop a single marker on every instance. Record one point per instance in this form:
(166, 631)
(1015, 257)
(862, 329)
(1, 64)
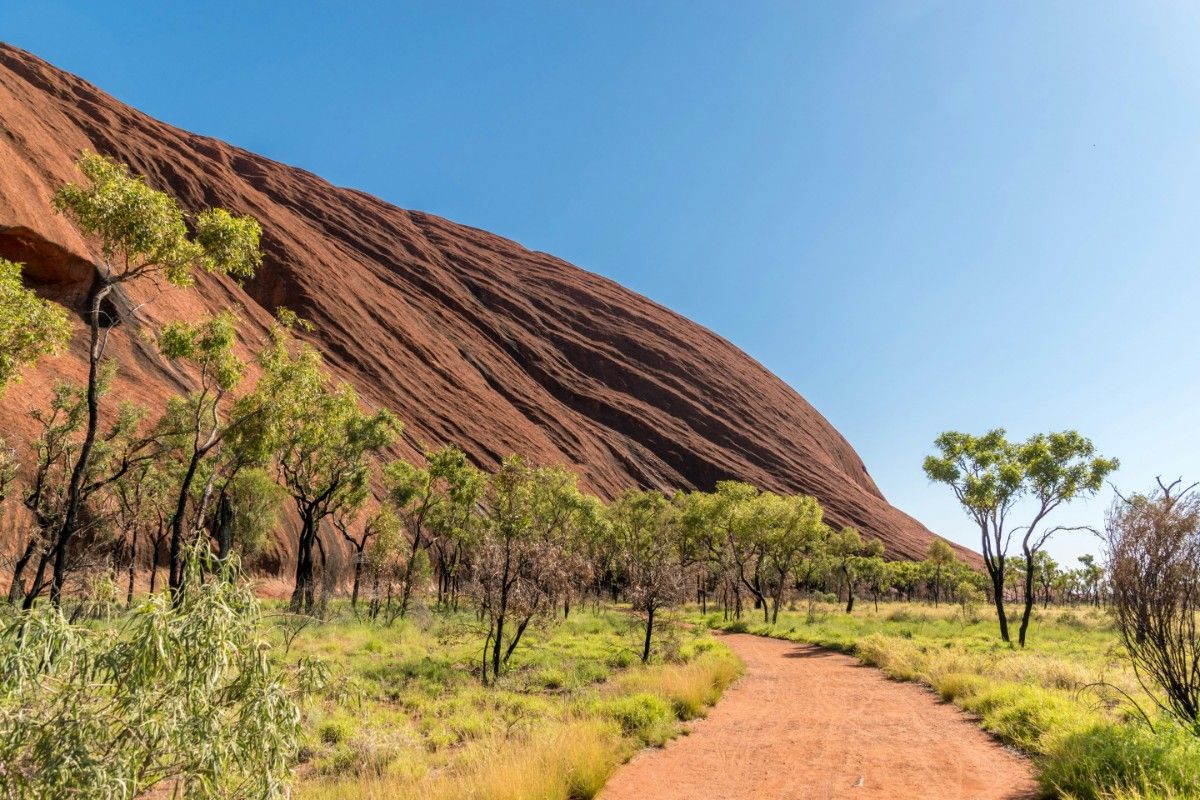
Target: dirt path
(809, 724)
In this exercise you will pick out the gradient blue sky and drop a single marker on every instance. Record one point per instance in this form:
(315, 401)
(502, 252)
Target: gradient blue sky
(922, 215)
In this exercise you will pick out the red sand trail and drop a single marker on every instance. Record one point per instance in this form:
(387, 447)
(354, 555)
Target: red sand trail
(809, 724)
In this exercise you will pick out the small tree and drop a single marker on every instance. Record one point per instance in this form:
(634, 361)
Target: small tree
(939, 557)
(430, 499)
(1058, 468)
(142, 235)
(1045, 570)
(199, 423)
(519, 560)
(642, 527)
(453, 523)
(990, 475)
(383, 523)
(326, 444)
(1090, 577)
(848, 551)
(794, 531)
(118, 451)
(1154, 564)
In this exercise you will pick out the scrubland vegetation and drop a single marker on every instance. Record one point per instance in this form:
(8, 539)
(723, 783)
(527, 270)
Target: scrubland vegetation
(1071, 698)
(454, 631)
(406, 717)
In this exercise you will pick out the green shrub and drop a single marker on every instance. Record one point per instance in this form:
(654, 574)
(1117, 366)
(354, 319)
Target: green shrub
(335, 731)
(1126, 760)
(193, 679)
(643, 715)
(552, 678)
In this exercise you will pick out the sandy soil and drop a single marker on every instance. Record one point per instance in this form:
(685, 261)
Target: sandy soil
(810, 724)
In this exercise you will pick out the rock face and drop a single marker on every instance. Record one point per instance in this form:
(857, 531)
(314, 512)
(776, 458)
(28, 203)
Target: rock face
(470, 338)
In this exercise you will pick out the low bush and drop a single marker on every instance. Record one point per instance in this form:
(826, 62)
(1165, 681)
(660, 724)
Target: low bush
(179, 693)
(645, 716)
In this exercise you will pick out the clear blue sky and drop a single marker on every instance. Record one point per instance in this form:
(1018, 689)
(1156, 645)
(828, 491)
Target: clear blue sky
(922, 215)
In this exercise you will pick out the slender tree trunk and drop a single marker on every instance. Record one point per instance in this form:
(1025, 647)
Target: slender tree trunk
(132, 565)
(406, 590)
(75, 487)
(16, 589)
(358, 558)
(1029, 599)
(484, 660)
(649, 633)
(998, 599)
(496, 646)
(223, 525)
(175, 581)
(508, 651)
(39, 578)
(302, 592)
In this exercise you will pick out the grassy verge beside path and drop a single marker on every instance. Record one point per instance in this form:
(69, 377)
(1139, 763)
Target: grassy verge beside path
(404, 715)
(1068, 699)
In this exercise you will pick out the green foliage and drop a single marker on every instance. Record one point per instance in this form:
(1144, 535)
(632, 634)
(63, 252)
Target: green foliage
(29, 326)
(419, 726)
(989, 475)
(645, 716)
(1104, 762)
(143, 231)
(184, 693)
(256, 500)
(209, 345)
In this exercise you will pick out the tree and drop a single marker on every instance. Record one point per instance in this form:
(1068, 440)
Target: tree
(1058, 468)
(325, 465)
(875, 574)
(521, 561)
(1154, 563)
(848, 550)
(382, 558)
(453, 524)
(199, 423)
(793, 531)
(142, 235)
(42, 496)
(29, 326)
(383, 523)
(987, 480)
(939, 557)
(325, 443)
(990, 475)
(1045, 570)
(248, 511)
(431, 499)
(1090, 576)
(118, 451)
(642, 527)
(733, 524)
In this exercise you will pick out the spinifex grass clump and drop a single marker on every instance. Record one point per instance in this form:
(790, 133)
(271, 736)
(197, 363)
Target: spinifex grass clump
(185, 694)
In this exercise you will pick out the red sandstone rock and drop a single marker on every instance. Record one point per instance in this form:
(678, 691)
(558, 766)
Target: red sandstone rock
(470, 338)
